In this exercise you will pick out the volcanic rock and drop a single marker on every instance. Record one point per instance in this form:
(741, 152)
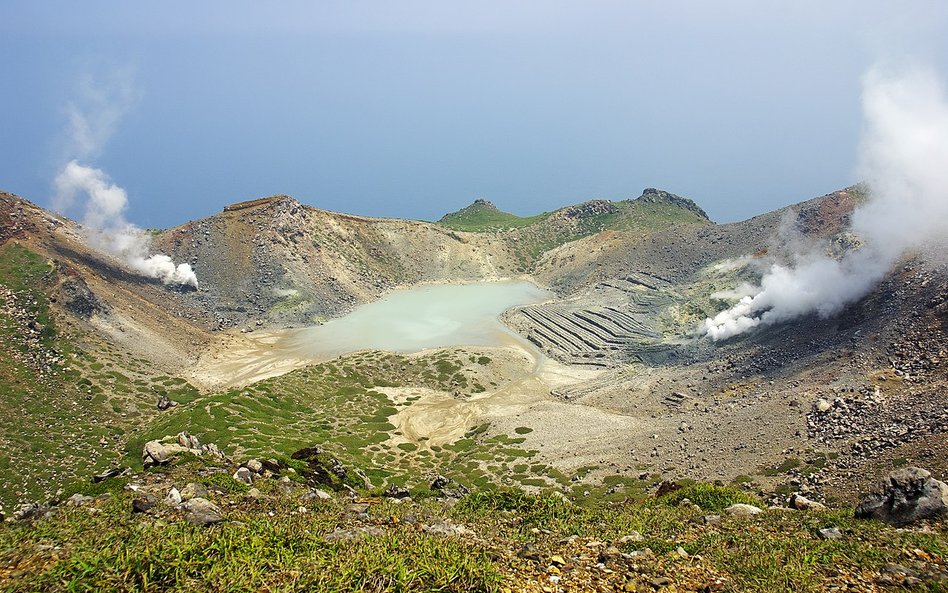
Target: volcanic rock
(192, 490)
(143, 503)
(908, 495)
(158, 453)
(742, 510)
(802, 503)
(200, 511)
(244, 475)
(174, 497)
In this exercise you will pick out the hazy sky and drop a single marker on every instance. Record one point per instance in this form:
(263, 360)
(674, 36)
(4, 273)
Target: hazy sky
(415, 108)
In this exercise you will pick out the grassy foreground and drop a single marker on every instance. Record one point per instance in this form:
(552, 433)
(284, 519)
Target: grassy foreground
(277, 539)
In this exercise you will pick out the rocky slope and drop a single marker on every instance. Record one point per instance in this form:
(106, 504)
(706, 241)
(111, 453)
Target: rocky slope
(633, 279)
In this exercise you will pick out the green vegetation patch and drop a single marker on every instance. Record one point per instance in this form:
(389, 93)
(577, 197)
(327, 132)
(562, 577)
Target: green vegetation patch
(710, 497)
(483, 216)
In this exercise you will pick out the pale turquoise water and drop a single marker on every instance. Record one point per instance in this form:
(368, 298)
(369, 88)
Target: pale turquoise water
(414, 319)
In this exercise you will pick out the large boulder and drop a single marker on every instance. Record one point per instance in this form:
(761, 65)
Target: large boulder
(158, 453)
(908, 495)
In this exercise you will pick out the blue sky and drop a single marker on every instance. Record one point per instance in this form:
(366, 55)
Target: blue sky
(413, 109)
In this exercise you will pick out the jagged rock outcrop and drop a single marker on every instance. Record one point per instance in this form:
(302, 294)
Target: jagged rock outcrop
(160, 452)
(78, 298)
(908, 495)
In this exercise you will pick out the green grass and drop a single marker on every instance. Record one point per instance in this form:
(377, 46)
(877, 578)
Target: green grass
(710, 497)
(480, 218)
(337, 405)
(67, 409)
(112, 550)
(266, 545)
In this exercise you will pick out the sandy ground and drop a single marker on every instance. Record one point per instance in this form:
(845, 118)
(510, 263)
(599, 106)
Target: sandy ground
(240, 359)
(437, 418)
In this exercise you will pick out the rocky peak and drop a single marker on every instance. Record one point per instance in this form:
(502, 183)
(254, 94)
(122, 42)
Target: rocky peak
(650, 195)
(482, 204)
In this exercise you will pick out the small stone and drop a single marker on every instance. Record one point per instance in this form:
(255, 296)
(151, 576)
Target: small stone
(802, 503)
(200, 511)
(174, 497)
(154, 453)
(823, 406)
(633, 536)
(712, 519)
(742, 510)
(143, 503)
(557, 560)
(610, 553)
(440, 482)
(659, 582)
(192, 490)
(254, 465)
(445, 529)
(189, 441)
(78, 500)
(898, 569)
(107, 474)
(29, 512)
(254, 493)
(243, 475)
(830, 533)
(396, 492)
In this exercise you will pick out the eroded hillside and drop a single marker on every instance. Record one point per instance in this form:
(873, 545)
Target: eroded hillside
(628, 388)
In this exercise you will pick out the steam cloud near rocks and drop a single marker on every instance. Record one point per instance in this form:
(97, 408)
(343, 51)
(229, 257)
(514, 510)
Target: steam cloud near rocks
(107, 228)
(904, 162)
(91, 124)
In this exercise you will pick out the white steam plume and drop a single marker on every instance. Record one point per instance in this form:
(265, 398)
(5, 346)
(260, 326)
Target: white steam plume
(92, 121)
(104, 218)
(99, 107)
(904, 161)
